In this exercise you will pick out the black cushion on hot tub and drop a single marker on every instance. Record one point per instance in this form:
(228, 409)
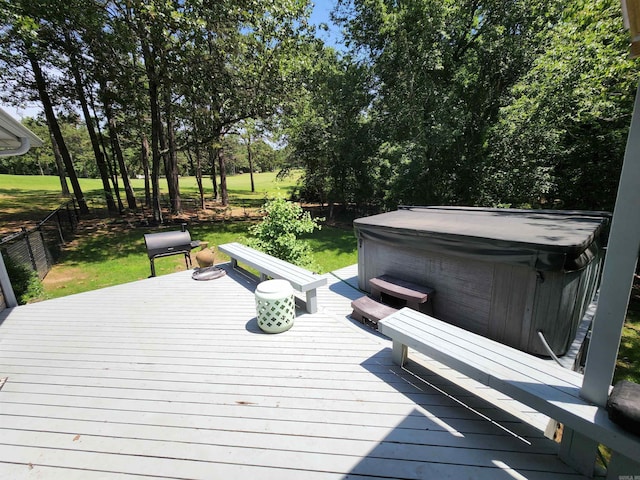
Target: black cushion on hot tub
(623, 406)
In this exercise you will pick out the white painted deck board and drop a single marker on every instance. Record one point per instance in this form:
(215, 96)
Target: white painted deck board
(171, 378)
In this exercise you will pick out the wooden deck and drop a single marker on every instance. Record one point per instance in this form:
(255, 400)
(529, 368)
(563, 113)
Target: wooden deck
(172, 378)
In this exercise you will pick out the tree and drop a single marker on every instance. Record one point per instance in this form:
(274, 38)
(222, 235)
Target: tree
(26, 40)
(244, 61)
(560, 139)
(277, 234)
(441, 70)
(74, 56)
(249, 132)
(116, 147)
(329, 132)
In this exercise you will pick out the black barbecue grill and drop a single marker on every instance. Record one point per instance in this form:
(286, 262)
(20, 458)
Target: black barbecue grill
(169, 243)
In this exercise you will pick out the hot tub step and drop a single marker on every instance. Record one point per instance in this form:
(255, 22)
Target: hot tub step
(368, 310)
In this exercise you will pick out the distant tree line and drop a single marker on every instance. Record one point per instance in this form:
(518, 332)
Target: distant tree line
(466, 102)
(41, 161)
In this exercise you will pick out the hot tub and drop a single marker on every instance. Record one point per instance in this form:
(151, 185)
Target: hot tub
(503, 273)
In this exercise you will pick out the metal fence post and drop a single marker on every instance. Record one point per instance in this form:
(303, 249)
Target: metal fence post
(59, 224)
(77, 213)
(30, 250)
(47, 254)
(70, 217)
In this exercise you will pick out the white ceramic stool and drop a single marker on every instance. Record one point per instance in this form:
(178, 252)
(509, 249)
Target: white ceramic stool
(275, 306)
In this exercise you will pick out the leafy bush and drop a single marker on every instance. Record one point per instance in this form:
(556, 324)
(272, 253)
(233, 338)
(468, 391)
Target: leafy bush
(278, 232)
(25, 282)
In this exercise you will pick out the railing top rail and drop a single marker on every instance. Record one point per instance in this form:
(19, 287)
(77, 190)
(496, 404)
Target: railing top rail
(25, 231)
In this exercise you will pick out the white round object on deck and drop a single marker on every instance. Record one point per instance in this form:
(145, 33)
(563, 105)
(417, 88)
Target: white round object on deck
(275, 306)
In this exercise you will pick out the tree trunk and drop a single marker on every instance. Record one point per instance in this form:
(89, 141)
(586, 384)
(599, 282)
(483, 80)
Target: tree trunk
(253, 187)
(54, 128)
(171, 165)
(111, 163)
(156, 136)
(115, 146)
(224, 195)
(59, 166)
(199, 174)
(156, 129)
(38, 162)
(212, 161)
(196, 167)
(95, 144)
(198, 152)
(144, 159)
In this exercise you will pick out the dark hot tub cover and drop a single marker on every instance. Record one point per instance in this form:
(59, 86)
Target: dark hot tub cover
(547, 240)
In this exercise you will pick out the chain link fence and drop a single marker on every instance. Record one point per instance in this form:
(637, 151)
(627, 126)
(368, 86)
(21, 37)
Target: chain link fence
(40, 246)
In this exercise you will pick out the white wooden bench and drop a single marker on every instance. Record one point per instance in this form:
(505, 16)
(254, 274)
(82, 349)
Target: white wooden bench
(533, 381)
(300, 279)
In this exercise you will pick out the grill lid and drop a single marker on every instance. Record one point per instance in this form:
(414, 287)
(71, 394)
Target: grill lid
(166, 243)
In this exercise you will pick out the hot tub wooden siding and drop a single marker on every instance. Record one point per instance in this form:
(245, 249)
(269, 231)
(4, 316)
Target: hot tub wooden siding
(505, 302)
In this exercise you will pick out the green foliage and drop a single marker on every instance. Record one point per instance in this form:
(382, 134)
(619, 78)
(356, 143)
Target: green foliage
(330, 133)
(40, 161)
(435, 101)
(265, 158)
(444, 102)
(153, 72)
(277, 234)
(441, 70)
(25, 282)
(560, 137)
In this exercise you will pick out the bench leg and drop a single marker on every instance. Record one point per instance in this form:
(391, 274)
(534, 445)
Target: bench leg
(234, 263)
(622, 467)
(399, 353)
(312, 301)
(578, 451)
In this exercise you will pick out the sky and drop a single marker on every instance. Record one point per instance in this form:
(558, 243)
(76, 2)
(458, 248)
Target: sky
(20, 113)
(320, 14)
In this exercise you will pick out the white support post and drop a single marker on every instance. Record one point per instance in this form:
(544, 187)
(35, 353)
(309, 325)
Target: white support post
(5, 285)
(617, 275)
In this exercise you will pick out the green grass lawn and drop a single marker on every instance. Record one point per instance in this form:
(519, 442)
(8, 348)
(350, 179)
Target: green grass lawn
(111, 257)
(238, 185)
(628, 365)
(32, 197)
(111, 252)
